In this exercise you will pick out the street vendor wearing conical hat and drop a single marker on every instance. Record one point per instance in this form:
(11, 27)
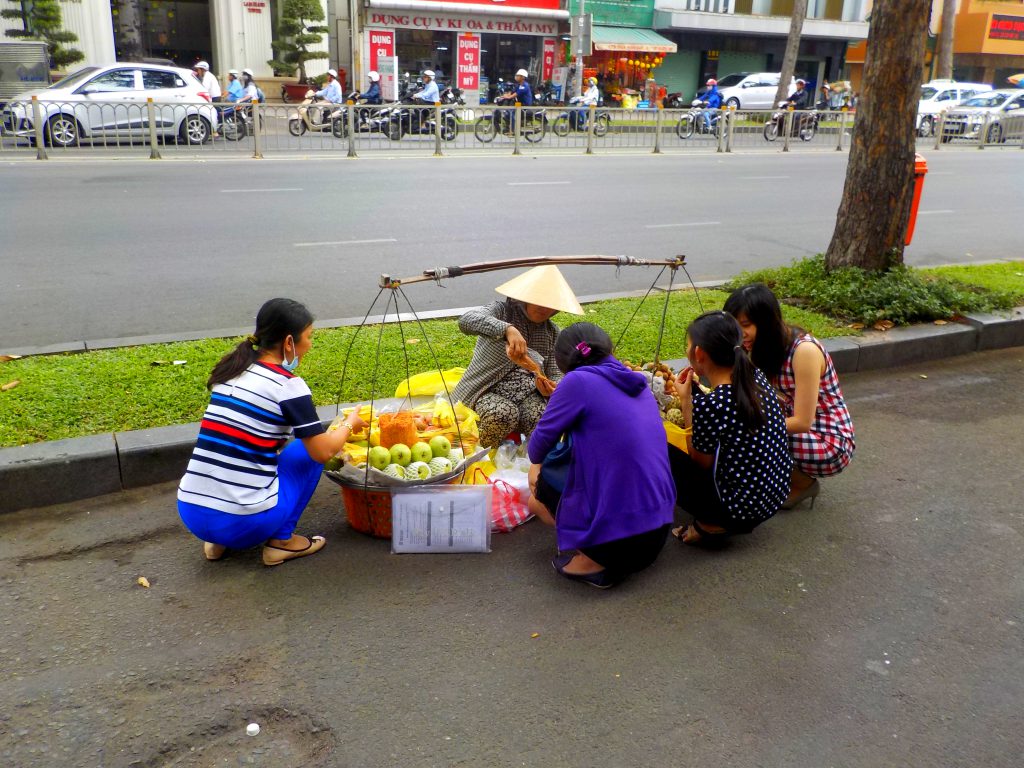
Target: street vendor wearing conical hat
(513, 369)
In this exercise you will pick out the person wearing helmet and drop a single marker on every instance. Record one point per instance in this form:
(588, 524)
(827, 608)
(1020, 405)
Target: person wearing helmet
(429, 93)
(234, 86)
(332, 90)
(592, 95)
(522, 94)
(712, 103)
(372, 94)
(208, 80)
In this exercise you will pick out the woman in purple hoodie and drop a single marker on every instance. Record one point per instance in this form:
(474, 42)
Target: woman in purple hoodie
(619, 496)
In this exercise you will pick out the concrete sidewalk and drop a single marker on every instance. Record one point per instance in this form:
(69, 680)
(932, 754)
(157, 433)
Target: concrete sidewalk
(67, 470)
(882, 628)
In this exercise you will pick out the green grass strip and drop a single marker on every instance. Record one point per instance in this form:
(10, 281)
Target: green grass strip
(116, 390)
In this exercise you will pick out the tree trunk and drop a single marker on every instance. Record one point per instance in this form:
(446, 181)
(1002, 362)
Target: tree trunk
(944, 71)
(796, 27)
(875, 207)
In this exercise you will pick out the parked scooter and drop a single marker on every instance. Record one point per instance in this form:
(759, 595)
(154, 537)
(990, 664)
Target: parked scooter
(804, 123)
(693, 121)
(576, 119)
(674, 101)
(313, 114)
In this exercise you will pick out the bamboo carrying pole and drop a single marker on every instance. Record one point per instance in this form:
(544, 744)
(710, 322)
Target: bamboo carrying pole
(440, 273)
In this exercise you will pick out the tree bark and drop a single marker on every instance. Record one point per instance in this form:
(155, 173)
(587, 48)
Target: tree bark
(944, 70)
(875, 208)
(796, 28)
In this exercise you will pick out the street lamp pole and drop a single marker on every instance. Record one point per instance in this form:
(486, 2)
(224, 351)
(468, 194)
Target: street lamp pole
(580, 22)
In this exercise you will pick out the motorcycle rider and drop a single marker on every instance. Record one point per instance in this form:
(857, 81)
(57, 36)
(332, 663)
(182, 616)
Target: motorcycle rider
(590, 96)
(208, 79)
(331, 92)
(712, 103)
(429, 94)
(522, 94)
(799, 98)
(234, 86)
(372, 94)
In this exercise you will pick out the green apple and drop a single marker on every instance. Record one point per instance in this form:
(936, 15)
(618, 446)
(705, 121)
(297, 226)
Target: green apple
(379, 457)
(418, 470)
(440, 446)
(400, 454)
(422, 452)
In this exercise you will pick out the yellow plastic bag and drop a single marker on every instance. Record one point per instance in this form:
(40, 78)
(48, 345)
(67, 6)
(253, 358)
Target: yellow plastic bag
(676, 435)
(478, 473)
(429, 383)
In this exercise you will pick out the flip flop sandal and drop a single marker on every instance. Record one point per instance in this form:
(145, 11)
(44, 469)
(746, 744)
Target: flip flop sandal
(705, 540)
(276, 555)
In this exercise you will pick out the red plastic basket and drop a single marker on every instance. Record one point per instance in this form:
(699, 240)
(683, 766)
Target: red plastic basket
(368, 511)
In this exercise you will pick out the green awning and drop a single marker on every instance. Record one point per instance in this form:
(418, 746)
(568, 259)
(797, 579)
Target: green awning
(628, 39)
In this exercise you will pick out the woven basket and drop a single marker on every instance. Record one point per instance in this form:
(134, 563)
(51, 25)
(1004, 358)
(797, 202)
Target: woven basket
(368, 511)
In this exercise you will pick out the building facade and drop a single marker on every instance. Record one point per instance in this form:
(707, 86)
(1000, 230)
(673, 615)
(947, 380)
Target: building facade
(716, 38)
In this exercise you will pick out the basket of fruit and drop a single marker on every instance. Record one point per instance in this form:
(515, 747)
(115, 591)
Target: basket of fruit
(407, 448)
(662, 380)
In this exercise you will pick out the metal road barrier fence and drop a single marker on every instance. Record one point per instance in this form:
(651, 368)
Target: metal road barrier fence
(204, 129)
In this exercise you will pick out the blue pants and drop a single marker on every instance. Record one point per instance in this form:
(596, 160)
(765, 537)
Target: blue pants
(297, 478)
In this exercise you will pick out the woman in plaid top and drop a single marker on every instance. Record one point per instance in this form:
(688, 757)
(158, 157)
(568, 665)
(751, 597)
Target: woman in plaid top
(513, 371)
(821, 435)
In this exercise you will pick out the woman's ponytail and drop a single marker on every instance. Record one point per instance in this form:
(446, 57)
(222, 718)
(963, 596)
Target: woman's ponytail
(721, 338)
(276, 321)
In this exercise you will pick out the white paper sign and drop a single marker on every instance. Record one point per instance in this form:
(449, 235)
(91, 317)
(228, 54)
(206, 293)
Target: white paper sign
(450, 518)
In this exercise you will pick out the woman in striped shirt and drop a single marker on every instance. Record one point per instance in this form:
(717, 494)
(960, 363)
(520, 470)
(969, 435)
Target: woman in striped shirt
(240, 488)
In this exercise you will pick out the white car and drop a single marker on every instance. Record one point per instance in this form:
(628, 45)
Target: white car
(110, 102)
(755, 91)
(1000, 113)
(938, 96)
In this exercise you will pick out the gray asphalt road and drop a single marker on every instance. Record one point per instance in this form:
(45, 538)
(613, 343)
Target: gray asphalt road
(882, 628)
(95, 250)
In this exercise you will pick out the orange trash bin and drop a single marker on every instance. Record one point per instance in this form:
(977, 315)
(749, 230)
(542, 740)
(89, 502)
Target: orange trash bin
(920, 171)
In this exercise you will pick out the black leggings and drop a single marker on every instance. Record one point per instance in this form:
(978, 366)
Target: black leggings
(696, 493)
(621, 557)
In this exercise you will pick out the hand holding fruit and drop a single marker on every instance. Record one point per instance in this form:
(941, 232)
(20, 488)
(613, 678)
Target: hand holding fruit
(544, 385)
(684, 384)
(355, 423)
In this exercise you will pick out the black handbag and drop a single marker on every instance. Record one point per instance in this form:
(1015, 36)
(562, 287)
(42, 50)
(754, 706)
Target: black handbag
(555, 467)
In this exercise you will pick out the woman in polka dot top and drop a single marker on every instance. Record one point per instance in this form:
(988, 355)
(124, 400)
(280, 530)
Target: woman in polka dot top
(736, 471)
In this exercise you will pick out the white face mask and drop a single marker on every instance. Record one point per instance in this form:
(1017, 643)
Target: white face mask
(289, 365)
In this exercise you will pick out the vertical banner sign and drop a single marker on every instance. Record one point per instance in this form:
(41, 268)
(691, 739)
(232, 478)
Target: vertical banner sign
(469, 62)
(381, 45)
(548, 67)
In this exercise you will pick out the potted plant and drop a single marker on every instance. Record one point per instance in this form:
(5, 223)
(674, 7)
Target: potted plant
(300, 27)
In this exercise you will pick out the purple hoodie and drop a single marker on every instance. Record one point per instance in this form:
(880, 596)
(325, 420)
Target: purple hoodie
(619, 483)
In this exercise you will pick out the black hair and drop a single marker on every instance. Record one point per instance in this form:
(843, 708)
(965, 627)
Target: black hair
(721, 338)
(277, 320)
(581, 344)
(774, 338)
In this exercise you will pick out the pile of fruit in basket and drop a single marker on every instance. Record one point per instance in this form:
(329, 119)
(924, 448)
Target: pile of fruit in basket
(414, 445)
(662, 380)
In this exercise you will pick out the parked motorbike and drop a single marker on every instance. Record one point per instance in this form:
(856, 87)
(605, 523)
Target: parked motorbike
(804, 124)
(313, 114)
(545, 97)
(576, 119)
(411, 116)
(674, 101)
(693, 121)
(451, 95)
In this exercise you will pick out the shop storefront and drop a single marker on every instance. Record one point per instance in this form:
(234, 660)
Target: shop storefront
(625, 48)
(469, 45)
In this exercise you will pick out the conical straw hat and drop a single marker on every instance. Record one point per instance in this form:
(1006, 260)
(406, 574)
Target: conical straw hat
(543, 286)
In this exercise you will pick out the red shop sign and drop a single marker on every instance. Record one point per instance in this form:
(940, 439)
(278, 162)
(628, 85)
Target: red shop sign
(546, 4)
(468, 50)
(548, 68)
(380, 44)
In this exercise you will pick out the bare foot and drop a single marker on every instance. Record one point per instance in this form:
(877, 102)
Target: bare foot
(581, 565)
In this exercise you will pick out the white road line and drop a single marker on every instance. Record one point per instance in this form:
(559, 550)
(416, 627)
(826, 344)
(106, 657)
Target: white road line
(272, 189)
(345, 242)
(930, 213)
(684, 224)
(762, 178)
(536, 183)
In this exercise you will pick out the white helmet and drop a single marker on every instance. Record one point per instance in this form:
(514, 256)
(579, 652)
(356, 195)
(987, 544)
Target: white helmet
(374, 77)
(203, 65)
(428, 73)
(333, 73)
(522, 73)
(248, 72)
(233, 72)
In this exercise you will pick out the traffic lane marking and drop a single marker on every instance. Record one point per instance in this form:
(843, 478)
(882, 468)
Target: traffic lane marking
(271, 189)
(345, 242)
(683, 224)
(537, 183)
